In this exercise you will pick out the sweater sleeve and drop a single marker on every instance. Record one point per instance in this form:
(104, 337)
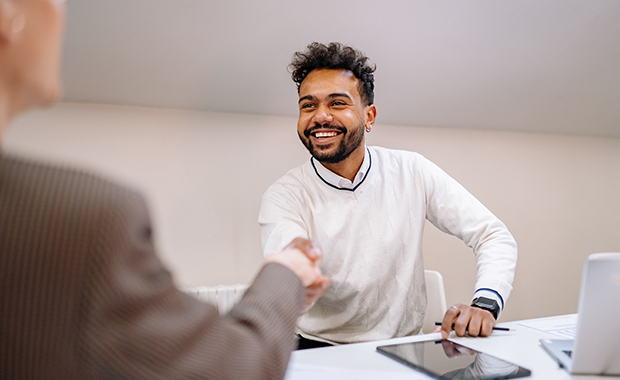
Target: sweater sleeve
(452, 209)
(140, 326)
(279, 219)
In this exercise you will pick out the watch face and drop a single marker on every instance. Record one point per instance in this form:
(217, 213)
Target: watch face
(485, 302)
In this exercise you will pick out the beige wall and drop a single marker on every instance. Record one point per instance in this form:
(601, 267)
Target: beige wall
(204, 173)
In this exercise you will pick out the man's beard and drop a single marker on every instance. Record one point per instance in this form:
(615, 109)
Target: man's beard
(348, 144)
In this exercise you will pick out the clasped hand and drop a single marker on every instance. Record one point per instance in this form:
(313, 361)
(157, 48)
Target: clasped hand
(301, 256)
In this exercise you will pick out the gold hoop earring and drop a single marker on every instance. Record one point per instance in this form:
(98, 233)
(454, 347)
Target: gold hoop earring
(18, 24)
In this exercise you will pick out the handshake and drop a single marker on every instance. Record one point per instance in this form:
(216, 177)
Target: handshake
(301, 256)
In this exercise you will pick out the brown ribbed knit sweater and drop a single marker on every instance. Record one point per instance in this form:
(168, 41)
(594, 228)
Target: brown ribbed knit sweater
(84, 296)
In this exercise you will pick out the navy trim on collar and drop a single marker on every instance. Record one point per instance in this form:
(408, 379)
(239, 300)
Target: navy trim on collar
(343, 188)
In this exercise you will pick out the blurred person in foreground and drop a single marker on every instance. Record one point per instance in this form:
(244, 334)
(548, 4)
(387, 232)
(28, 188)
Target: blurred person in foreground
(82, 293)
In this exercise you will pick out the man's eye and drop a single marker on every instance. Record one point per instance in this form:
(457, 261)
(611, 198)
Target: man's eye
(307, 105)
(338, 103)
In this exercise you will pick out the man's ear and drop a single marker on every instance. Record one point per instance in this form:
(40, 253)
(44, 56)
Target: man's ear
(371, 114)
(11, 22)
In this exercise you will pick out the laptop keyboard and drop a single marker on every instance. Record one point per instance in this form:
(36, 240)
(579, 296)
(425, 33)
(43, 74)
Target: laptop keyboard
(569, 332)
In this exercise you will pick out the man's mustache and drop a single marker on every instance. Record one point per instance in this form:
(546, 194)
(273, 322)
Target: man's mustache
(317, 127)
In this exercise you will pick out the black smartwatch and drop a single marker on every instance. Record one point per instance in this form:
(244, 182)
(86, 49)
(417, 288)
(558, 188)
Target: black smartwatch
(486, 304)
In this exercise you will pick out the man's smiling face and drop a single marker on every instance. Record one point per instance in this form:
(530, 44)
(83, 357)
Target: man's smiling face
(331, 115)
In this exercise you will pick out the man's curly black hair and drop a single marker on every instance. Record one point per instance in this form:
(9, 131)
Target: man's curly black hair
(335, 56)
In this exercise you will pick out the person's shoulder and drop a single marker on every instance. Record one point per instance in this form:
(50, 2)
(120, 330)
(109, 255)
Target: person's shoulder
(294, 178)
(37, 179)
(387, 154)
(413, 165)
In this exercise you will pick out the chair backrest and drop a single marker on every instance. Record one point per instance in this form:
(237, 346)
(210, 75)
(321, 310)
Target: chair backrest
(436, 296)
(224, 297)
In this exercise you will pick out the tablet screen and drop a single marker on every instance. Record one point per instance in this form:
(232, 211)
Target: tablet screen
(444, 359)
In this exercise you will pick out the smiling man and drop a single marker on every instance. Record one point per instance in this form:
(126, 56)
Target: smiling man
(367, 206)
(332, 119)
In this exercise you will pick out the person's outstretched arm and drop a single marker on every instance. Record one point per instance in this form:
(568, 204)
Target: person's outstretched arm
(140, 326)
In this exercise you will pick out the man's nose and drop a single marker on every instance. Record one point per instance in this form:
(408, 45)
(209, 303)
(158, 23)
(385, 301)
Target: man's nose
(322, 115)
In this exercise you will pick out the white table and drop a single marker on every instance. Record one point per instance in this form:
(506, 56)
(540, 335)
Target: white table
(361, 361)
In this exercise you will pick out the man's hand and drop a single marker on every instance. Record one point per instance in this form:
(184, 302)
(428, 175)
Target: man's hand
(464, 318)
(301, 257)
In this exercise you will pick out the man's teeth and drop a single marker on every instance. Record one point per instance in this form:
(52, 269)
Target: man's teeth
(320, 135)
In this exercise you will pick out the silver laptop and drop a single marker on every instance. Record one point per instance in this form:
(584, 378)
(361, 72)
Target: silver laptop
(596, 347)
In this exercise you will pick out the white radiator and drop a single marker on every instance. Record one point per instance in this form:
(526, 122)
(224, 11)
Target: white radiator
(224, 297)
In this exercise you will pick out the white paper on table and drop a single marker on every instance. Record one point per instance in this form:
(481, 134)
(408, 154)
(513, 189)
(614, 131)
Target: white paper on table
(563, 325)
(298, 371)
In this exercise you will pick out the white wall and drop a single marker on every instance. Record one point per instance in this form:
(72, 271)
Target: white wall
(204, 173)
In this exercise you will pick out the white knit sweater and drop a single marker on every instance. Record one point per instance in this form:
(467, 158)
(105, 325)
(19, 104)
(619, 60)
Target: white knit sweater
(371, 240)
